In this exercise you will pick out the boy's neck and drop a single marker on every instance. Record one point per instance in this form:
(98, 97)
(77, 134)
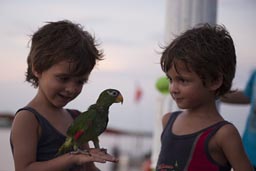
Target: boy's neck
(204, 111)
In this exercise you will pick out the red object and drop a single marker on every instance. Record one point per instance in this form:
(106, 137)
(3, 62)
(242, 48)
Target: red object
(138, 94)
(78, 134)
(199, 156)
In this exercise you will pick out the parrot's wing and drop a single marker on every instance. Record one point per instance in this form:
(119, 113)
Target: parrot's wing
(81, 123)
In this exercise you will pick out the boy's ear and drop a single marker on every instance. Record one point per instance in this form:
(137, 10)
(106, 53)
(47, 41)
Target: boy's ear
(215, 84)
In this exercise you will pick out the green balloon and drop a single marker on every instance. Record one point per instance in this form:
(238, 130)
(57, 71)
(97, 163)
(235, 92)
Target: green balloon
(162, 85)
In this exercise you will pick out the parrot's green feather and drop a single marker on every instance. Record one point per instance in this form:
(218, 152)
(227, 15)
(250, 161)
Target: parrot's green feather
(91, 123)
(82, 122)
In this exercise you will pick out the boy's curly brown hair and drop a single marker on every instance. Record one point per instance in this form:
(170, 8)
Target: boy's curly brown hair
(208, 50)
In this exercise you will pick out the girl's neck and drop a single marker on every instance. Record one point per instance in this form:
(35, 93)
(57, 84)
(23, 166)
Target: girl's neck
(43, 106)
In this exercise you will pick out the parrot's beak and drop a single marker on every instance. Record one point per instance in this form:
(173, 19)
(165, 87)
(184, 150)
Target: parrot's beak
(119, 99)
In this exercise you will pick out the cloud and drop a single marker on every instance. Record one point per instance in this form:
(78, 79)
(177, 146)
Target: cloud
(130, 32)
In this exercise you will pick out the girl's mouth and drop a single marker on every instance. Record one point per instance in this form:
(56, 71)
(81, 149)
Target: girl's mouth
(65, 97)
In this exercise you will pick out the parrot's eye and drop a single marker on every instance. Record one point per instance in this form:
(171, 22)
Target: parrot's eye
(112, 93)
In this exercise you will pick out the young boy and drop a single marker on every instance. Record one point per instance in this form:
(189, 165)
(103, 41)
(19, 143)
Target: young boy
(60, 61)
(200, 64)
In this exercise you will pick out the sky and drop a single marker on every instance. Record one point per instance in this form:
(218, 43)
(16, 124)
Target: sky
(130, 33)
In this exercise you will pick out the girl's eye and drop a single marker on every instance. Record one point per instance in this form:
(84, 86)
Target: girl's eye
(82, 81)
(63, 79)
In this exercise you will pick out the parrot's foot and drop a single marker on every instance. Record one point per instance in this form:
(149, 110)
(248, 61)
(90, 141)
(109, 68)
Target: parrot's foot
(104, 150)
(79, 151)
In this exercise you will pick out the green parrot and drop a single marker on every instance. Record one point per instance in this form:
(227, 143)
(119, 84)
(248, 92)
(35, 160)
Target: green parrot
(91, 123)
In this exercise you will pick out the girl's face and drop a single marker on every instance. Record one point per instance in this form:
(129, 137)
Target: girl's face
(186, 87)
(57, 86)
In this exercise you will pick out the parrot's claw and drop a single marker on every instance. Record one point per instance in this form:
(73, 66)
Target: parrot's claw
(79, 151)
(104, 150)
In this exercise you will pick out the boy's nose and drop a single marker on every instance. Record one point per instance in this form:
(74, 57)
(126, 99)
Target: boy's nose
(173, 87)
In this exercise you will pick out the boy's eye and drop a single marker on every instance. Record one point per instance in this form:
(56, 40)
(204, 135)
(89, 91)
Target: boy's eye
(182, 80)
(170, 79)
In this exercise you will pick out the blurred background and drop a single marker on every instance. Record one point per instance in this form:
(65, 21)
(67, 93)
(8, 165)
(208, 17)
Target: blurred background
(131, 33)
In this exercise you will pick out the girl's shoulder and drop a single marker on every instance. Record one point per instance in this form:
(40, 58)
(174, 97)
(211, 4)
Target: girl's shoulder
(25, 124)
(74, 113)
(25, 117)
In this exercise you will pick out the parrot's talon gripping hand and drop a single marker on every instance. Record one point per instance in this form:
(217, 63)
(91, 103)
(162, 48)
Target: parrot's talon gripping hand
(79, 151)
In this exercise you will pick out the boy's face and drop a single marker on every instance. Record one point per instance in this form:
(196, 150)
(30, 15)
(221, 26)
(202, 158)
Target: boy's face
(57, 86)
(186, 87)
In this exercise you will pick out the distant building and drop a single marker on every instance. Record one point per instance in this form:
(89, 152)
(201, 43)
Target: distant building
(6, 119)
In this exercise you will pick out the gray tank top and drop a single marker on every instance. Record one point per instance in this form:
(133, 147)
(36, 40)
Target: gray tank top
(50, 139)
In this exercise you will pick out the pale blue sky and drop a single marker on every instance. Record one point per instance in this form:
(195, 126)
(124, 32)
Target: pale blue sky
(130, 33)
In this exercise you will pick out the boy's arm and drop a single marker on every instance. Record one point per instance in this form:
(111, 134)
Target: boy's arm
(237, 97)
(165, 119)
(230, 142)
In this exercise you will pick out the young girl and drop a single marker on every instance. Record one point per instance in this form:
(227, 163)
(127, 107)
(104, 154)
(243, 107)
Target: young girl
(60, 61)
(200, 64)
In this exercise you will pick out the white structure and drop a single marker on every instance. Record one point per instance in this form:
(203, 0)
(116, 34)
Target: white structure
(184, 14)
(180, 16)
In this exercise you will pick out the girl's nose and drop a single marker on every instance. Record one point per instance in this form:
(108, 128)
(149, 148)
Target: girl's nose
(69, 91)
(71, 88)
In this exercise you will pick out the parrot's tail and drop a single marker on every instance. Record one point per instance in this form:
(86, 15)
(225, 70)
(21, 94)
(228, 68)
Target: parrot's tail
(66, 147)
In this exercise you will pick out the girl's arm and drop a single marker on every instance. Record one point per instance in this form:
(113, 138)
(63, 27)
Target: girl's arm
(231, 144)
(25, 135)
(98, 154)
